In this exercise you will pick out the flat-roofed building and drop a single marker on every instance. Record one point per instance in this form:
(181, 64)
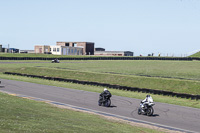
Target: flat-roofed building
(88, 47)
(113, 53)
(66, 50)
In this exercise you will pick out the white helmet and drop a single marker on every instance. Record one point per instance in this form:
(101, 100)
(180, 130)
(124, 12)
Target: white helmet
(105, 89)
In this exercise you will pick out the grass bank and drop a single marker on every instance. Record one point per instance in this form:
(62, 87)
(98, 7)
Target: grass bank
(196, 55)
(23, 115)
(173, 85)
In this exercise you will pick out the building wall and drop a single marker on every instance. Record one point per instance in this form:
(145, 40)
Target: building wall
(113, 53)
(5, 50)
(27, 51)
(41, 49)
(56, 50)
(88, 47)
(83, 45)
(65, 50)
(128, 53)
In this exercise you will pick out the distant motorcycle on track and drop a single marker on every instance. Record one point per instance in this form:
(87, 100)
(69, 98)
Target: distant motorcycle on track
(55, 61)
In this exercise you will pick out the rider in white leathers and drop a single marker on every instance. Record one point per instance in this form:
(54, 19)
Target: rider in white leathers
(146, 101)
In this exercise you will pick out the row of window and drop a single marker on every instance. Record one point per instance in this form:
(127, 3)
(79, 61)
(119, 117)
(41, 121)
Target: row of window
(74, 51)
(68, 51)
(54, 49)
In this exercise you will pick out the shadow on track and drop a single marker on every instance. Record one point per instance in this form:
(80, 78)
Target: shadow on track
(155, 115)
(113, 106)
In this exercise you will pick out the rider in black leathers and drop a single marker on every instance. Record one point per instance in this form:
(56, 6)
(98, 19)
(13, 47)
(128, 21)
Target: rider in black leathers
(105, 94)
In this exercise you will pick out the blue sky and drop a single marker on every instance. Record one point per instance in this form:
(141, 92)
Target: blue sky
(142, 26)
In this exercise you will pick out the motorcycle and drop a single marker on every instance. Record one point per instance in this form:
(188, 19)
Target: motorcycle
(105, 102)
(55, 61)
(147, 109)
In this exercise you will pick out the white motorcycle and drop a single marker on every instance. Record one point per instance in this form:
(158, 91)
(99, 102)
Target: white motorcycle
(55, 61)
(146, 109)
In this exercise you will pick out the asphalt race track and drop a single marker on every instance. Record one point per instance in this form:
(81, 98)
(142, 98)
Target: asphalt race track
(172, 117)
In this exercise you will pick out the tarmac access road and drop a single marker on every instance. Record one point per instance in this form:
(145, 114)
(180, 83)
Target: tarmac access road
(173, 117)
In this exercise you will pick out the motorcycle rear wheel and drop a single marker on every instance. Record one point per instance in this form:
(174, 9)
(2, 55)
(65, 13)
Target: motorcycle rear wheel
(107, 103)
(150, 111)
(99, 103)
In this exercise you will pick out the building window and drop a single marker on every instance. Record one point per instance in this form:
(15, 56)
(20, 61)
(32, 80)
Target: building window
(72, 51)
(54, 49)
(58, 49)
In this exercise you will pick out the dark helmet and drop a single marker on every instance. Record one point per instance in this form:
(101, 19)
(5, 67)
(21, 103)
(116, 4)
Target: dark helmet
(148, 96)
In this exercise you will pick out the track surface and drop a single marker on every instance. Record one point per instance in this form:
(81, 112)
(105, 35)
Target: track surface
(184, 118)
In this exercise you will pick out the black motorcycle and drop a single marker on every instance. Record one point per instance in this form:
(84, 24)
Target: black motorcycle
(147, 110)
(104, 101)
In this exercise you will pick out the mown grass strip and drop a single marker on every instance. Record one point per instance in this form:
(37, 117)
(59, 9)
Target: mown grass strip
(173, 85)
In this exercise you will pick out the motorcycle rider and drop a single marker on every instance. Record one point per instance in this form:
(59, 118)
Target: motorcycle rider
(146, 101)
(105, 94)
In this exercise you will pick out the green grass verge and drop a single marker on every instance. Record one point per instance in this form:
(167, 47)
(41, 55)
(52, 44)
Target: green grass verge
(23, 115)
(196, 55)
(174, 85)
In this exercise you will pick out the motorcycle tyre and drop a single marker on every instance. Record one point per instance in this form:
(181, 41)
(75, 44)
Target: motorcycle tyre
(107, 103)
(99, 103)
(139, 111)
(150, 111)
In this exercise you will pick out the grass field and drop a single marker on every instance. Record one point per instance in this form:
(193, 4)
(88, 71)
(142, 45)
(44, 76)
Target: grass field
(175, 76)
(184, 75)
(22, 115)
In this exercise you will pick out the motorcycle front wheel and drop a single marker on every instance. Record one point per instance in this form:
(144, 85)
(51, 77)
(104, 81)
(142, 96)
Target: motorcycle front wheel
(139, 111)
(99, 103)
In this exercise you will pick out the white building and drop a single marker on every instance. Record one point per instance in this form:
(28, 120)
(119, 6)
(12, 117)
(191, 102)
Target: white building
(66, 50)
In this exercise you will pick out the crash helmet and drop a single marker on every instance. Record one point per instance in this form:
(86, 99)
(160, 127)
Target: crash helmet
(148, 96)
(105, 89)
